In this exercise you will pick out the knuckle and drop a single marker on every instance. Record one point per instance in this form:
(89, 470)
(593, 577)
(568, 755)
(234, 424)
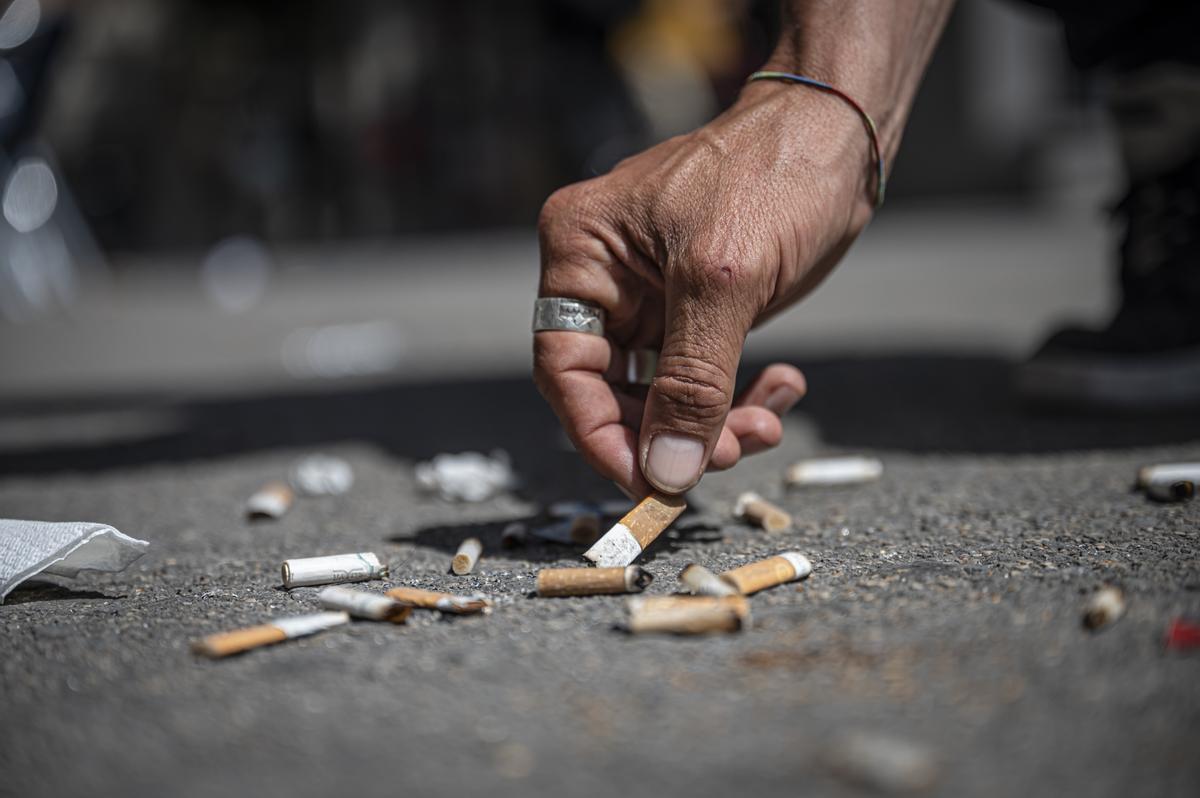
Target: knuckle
(692, 388)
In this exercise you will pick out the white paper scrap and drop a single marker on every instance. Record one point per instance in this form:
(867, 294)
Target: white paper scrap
(28, 548)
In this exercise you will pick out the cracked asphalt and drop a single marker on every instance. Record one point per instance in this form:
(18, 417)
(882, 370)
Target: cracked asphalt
(942, 619)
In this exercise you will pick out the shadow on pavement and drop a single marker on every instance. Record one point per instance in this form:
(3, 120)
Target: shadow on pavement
(912, 403)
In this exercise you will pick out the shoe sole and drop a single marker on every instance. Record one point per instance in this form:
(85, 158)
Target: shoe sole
(1157, 381)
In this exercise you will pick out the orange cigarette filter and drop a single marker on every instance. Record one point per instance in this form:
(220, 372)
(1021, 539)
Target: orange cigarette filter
(592, 581)
(770, 572)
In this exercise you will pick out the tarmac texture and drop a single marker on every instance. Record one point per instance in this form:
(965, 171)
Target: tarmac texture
(937, 647)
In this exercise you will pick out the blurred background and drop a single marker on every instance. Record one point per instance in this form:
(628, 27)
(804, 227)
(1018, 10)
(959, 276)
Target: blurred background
(236, 198)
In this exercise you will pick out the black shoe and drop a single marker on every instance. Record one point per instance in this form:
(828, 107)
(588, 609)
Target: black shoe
(1149, 355)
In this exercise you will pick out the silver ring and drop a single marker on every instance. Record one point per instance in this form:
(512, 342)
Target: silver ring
(572, 315)
(640, 366)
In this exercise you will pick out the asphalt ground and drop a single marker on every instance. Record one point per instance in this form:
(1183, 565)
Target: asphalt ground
(940, 631)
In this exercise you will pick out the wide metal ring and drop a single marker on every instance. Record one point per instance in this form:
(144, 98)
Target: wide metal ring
(572, 315)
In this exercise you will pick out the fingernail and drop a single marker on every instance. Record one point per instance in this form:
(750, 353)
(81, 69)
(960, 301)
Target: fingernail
(781, 400)
(674, 462)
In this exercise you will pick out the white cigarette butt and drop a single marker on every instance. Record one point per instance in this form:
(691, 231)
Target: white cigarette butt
(272, 500)
(466, 556)
(834, 471)
(755, 508)
(1104, 607)
(331, 570)
(363, 604)
(1169, 473)
(703, 582)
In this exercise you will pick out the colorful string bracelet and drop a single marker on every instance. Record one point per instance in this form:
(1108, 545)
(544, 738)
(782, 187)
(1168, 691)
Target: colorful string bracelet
(868, 122)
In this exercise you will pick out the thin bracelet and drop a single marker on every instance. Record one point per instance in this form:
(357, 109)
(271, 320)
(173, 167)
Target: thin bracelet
(868, 122)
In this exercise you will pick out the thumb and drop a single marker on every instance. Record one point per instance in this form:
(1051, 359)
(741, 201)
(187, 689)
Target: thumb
(705, 328)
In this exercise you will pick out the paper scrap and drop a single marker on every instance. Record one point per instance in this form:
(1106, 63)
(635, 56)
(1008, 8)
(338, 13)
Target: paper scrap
(28, 548)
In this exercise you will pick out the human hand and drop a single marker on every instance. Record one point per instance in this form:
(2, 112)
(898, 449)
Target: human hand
(686, 246)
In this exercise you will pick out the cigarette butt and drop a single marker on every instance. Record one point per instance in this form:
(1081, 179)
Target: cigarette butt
(466, 556)
(703, 582)
(443, 602)
(592, 581)
(1104, 607)
(364, 604)
(1179, 491)
(272, 500)
(834, 471)
(331, 570)
(276, 631)
(755, 508)
(688, 615)
(1168, 472)
(513, 535)
(639, 527)
(756, 576)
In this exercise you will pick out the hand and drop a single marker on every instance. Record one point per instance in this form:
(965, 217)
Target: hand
(687, 246)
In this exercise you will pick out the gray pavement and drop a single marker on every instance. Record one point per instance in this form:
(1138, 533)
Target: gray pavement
(943, 613)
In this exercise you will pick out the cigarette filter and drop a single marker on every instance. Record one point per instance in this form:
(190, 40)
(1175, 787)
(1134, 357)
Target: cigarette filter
(331, 570)
(755, 508)
(513, 535)
(834, 471)
(364, 604)
(1163, 491)
(276, 631)
(688, 615)
(592, 581)
(639, 527)
(703, 582)
(272, 500)
(443, 602)
(466, 556)
(1104, 607)
(756, 576)
(1168, 472)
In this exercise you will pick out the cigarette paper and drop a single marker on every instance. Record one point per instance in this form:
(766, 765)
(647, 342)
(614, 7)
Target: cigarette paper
(834, 471)
(703, 582)
(270, 501)
(466, 556)
(331, 570)
(276, 631)
(513, 535)
(592, 581)
(364, 604)
(688, 615)
(753, 507)
(581, 530)
(444, 602)
(756, 576)
(639, 527)
(1171, 491)
(1168, 472)
(1104, 607)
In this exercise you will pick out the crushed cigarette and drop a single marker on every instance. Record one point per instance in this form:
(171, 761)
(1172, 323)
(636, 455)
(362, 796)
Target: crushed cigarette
(1179, 491)
(592, 581)
(468, 477)
(336, 568)
(688, 615)
(786, 567)
(639, 527)
(322, 475)
(514, 535)
(703, 582)
(1104, 607)
(1168, 473)
(276, 631)
(272, 500)
(755, 508)
(443, 602)
(580, 530)
(834, 471)
(363, 604)
(466, 556)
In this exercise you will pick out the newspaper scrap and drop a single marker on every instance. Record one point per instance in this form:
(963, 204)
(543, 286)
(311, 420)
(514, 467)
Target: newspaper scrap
(467, 477)
(29, 548)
